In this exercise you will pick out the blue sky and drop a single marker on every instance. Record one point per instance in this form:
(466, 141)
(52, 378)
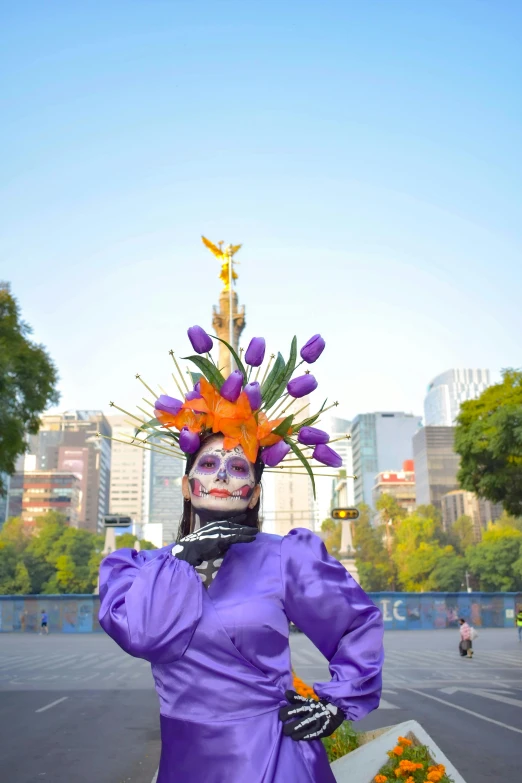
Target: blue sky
(367, 154)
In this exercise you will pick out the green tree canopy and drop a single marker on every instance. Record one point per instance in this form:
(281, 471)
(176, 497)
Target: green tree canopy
(462, 533)
(496, 562)
(376, 570)
(127, 540)
(55, 558)
(419, 549)
(27, 383)
(488, 438)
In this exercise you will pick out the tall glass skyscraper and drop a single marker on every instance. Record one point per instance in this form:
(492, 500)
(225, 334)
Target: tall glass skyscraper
(380, 441)
(448, 391)
(165, 499)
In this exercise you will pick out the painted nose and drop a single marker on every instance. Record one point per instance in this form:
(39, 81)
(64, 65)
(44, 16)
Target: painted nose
(222, 475)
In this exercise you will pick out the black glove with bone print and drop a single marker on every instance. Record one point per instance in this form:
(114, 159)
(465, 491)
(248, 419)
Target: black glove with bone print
(213, 540)
(311, 719)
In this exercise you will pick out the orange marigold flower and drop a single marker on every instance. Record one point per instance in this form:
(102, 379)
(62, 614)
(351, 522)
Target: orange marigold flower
(435, 776)
(409, 780)
(404, 741)
(380, 779)
(398, 751)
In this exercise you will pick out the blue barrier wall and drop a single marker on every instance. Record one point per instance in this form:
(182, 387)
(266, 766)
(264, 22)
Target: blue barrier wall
(416, 611)
(400, 611)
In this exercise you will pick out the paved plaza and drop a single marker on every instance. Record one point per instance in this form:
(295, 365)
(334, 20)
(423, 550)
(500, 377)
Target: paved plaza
(76, 708)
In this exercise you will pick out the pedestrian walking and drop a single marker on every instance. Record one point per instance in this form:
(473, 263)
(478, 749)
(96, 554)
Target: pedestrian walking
(466, 635)
(44, 628)
(519, 623)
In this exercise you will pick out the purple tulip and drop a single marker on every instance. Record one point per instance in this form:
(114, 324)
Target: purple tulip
(197, 387)
(168, 404)
(312, 350)
(231, 389)
(311, 436)
(255, 352)
(273, 455)
(189, 442)
(326, 455)
(253, 392)
(201, 341)
(193, 395)
(298, 387)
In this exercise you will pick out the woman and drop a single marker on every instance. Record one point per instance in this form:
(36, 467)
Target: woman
(466, 635)
(212, 612)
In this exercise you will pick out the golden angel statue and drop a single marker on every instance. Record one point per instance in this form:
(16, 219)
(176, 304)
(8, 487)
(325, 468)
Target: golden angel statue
(226, 257)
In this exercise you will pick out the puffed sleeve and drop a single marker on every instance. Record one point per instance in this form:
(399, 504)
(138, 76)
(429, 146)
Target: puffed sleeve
(150, 603)
(326, 603)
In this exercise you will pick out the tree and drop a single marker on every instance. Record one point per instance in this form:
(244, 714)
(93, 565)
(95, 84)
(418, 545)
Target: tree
(376, 570)
(462, 533)
(27, 383)
(390, 514)
(496, 561)
(419, 551)
(127, 540)
(488, 437)
(449, 573)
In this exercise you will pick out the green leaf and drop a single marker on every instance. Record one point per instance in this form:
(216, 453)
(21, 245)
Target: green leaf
(196, 376)
(297, 451)
(312, 419)
(273, 375)
(280, 383)
(210, 372)
(239, 363)
(282, 429)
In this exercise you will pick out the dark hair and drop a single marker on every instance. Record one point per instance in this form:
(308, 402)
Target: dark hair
(252, 514)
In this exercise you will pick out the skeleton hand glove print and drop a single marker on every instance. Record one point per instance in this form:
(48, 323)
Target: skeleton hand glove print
(212, 541)
(311, 719)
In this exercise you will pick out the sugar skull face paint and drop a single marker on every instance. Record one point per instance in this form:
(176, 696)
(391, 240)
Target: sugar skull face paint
(220, 480)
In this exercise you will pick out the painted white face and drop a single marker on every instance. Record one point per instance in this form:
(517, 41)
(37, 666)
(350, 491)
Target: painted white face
(221, 481)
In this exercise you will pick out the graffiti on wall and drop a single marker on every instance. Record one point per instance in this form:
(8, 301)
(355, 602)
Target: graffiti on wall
(400, 611)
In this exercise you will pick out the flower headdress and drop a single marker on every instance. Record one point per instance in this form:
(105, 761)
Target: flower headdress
(251, 413)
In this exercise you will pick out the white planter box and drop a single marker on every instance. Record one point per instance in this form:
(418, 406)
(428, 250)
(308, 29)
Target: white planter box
(361, 765)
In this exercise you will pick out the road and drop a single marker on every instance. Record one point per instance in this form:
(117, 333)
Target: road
(74, 707)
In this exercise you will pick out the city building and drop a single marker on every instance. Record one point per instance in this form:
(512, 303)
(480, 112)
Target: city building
(165, 498)
(33, 493)
(380, 441)
(460, 503)
(293, 494)
(448, 391)
(436, 464)
(68, 442)
(128, 493)
(400, 484)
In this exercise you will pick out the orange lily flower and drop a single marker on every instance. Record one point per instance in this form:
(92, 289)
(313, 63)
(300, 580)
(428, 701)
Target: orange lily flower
(241, 432)
(265, 435)
(196, 422)
(213, 404)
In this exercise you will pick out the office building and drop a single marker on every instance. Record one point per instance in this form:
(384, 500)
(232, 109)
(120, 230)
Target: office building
(33, 493)
(400, 484)
(448, 391)
(68, 442)
(436, 464)
(460, 503)
(380, 441)
(128, 485)
(293, 494)
(165, 498)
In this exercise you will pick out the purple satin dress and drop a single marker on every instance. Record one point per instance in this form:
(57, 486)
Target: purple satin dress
(221, 659)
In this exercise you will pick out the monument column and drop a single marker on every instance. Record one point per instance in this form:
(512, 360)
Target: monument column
(228, 320)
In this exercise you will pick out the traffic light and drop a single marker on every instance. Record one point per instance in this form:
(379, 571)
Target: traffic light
(345, 513)
(113, 520)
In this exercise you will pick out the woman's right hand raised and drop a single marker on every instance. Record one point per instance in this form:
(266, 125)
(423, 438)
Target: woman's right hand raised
(212, 541)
